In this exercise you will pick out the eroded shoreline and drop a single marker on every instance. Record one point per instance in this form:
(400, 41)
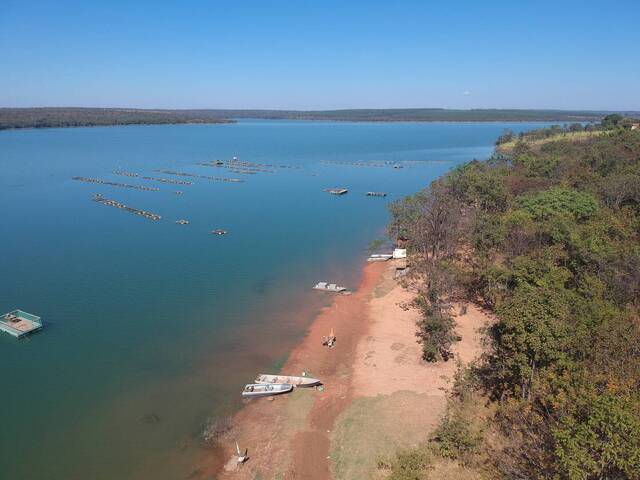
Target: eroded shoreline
(371, 377)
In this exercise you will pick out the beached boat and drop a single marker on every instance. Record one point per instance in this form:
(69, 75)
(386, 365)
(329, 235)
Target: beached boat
(264, 390)
(379, 257)
(283, 379)
(329, 287)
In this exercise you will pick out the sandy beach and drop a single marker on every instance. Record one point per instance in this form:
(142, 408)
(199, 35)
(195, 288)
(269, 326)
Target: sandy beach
(378, 395)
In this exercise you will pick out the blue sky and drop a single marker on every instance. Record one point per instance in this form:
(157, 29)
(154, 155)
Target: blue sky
(321, 54)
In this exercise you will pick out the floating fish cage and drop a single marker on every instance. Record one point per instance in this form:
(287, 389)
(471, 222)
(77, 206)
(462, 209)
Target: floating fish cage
(19, 323)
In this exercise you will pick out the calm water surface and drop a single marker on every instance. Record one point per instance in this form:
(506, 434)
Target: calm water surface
(153, 327)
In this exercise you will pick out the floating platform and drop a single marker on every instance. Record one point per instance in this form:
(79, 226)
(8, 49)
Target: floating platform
(19, 323)
(336, 191)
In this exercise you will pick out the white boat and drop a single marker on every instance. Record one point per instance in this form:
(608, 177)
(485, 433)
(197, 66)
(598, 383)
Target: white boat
(379, 257)
(264, 390)
(329, 287)
(265, 378)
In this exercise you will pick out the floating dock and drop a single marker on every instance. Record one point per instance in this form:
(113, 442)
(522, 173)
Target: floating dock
(19, 323)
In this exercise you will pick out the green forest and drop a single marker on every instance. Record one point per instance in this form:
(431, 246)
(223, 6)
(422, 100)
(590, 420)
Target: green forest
(82, 117)
(546, 238)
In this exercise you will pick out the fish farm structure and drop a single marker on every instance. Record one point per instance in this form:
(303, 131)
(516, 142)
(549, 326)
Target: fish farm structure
(19, 323)
(136, 211)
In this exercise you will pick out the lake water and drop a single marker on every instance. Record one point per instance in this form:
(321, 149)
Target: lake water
(153, 327)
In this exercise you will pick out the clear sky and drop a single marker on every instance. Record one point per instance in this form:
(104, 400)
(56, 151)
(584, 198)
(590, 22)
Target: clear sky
(321, 54)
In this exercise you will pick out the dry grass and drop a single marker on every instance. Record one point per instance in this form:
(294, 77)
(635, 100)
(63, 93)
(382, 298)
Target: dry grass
(572, 136)
(374, 428)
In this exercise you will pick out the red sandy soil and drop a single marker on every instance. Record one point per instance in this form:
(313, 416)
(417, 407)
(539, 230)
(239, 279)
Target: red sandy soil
(288, 437)
(293, 442)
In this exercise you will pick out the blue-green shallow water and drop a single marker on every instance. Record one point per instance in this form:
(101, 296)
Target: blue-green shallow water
(155, 318)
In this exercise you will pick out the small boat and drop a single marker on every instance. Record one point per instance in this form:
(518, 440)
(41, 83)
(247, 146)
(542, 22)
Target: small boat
(182, 221)
(219, 232)
(329, 287)
(283, 379)
(380, 257)
(336, 191)
(263, 390)
(376, 194)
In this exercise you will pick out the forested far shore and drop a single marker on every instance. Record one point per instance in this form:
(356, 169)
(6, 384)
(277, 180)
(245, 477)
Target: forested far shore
(82, 117)
(13, 118)
(546, 238)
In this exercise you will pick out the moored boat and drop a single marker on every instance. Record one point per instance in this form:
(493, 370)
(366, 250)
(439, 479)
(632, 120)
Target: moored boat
(265, 390)
(329, 287)
(284, 379)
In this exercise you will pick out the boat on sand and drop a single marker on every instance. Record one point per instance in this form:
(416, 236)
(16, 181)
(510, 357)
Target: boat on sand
(263, 390)
(280, 379)
(329, 287)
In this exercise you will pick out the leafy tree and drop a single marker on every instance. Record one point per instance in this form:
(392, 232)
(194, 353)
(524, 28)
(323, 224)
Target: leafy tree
(436, 328)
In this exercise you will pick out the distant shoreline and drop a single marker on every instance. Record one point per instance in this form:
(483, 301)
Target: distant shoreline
(61, 117)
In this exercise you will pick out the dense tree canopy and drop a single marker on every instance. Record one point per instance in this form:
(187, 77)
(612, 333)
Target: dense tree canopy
(547, 236)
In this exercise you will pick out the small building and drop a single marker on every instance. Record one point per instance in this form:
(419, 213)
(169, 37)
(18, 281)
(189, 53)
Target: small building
(19, 323)
(400, 253)
(635, 126)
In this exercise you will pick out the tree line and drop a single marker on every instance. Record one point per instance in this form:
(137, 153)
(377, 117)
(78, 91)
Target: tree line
(78, 117)
(547, 238)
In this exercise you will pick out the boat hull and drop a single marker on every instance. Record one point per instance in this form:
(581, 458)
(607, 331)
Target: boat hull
(264, 390)
(267, 379)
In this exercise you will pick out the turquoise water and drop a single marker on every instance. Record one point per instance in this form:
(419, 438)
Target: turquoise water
(153, 320)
